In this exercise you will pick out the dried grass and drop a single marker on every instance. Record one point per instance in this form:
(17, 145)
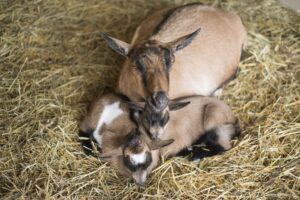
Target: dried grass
(52, 62)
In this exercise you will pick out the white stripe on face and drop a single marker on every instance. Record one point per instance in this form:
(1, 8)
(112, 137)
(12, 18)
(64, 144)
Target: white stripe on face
(138, 158)
(109, 113)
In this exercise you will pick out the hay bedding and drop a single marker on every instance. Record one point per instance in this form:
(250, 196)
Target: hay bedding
(53, 62)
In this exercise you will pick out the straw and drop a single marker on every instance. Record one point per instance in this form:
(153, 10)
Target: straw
(53, 62)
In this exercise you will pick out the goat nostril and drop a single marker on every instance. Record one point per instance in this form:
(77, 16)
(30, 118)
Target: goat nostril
(160, 100)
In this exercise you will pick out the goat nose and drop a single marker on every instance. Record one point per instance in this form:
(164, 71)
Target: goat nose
(141, 185)
(160, 100)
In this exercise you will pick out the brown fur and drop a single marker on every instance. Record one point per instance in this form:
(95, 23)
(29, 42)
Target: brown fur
(115, 135)
(185, 127)
(201, 67)
(191, 122)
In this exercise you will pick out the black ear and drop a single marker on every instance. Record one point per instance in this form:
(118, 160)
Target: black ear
(184, 41)
(173, 105)
(135, 106)
(160, 144)
(118, 46)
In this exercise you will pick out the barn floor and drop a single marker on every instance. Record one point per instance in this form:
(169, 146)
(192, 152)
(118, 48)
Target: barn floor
(53, 62)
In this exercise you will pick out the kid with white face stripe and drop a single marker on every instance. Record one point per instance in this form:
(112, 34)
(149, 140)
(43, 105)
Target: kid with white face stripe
(131, 151)
(109, 113)
(108, 123)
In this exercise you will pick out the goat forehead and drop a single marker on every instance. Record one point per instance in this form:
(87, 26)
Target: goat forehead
(139, 158)
(146, 53)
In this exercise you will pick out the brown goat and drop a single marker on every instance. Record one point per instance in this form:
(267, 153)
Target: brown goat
(108, 123)
(132, 153)
(204, 120)
(169, 58)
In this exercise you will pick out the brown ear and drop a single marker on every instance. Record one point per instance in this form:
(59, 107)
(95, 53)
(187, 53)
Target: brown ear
(114, 153)
(160, 143)
(173, 105)
(136, 106)
(184, 41)
(118, 46)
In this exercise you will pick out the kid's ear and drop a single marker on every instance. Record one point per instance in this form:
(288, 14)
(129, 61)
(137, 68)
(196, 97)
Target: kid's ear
(136, 106)
(160, 143)
(173, 105)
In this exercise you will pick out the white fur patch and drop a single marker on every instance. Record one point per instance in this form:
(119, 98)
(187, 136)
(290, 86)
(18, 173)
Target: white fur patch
(138, 158)
(109, 113)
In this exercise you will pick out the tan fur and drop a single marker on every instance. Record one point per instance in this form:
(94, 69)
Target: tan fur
(191, 122)
(185, 127)
(200, 68)
(116, 133)
(96, 108)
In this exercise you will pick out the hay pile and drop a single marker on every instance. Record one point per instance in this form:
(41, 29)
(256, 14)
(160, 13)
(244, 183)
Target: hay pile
(53, 62)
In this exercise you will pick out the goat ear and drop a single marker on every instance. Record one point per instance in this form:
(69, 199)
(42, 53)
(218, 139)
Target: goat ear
(136, 106)
(118, 46)
(183, 41)
(160, 143)
(173, 105)
(114, 153)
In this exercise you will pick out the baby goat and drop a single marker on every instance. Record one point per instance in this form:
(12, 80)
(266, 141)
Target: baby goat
(205, 120)
(131, 151)
(108, 122)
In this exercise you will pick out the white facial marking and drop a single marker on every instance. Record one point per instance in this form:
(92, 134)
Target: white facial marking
(138, 158)
(109, 113)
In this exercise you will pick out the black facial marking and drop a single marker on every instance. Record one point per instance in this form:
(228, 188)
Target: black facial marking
(154, 118)
(167, 59)
(128, 164)
(141, 68)
(143, 166)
